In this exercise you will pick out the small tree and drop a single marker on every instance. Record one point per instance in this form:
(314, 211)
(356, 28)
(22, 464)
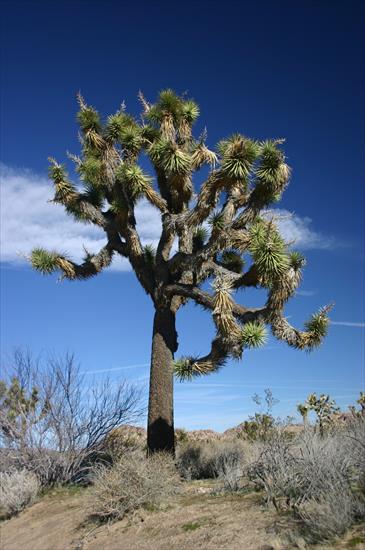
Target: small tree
(223, 233)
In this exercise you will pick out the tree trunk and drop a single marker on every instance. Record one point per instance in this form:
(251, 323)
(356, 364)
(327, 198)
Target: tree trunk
(160, 430)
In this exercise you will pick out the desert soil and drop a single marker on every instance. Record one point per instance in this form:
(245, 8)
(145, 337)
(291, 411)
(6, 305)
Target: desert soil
(197, 519)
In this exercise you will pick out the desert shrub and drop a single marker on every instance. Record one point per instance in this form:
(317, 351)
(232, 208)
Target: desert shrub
(18, 489)
(195, 460)
(274, 467)
(224, 459)
(53, 420)
(320, 477)
(329, 515)
(353, 438)
(132, 482)
(229, 460)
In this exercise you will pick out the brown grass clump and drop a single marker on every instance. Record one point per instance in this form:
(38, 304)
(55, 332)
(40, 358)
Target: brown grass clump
(133, 482)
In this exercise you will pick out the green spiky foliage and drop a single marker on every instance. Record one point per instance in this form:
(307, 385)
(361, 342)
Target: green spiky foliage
(183, 369)
(43, 261)
(317, 326)
(91, 171)
(133, 179)
(216, 221)
(170, 158)
(253, 335)
(149, 255)
(268, 250)
(189, 111)
(200, 237)
(272, 173)
(217, 233)
(89, 120)
(117, 125)
(296, 260)
(238, 155)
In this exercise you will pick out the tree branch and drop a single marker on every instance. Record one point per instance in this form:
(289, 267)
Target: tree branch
(206, 300)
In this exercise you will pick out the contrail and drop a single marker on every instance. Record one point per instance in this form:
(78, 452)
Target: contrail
(347, 324)
(113, 369)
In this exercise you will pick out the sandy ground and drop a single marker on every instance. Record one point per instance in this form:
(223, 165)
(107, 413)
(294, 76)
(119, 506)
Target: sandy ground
(195, 520)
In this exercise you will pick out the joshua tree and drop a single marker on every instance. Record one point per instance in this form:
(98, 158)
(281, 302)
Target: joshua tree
(361, 402)
(324, 407)
(303, 409)
(207, 234)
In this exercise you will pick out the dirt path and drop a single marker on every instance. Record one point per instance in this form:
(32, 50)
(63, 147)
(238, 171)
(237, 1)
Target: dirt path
(195, 520)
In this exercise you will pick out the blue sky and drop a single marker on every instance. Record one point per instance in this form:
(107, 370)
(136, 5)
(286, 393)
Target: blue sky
(266, 69)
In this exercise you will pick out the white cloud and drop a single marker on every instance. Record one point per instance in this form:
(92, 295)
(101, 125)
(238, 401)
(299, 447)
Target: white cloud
(299, 231)
(29, 220)
(306, 292)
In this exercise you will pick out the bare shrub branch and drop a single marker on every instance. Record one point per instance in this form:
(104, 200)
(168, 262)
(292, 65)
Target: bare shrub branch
(53, 421)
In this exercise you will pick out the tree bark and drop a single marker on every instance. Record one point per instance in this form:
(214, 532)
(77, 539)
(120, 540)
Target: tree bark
(160, 429)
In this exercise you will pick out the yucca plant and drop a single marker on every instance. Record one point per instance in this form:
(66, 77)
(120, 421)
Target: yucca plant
(222, 230)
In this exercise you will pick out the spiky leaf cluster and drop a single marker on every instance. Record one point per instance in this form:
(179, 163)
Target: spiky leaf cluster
(268, 251)
(89, 119)
(238, 155)
(253, 335)
(271, 159)
(43, 261)
(169, 104)
(116, 126)
(317, 326)
(216, 221)
(91, 170)
(183, 369)
(272, 173)
(149, 252)
(170, 158)
(199, 238)
(189, 111)
(135, 181)
(188, 368)
(296, 260)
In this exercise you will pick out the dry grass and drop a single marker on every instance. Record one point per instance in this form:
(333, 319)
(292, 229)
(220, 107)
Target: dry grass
(131, 483)
(194, 520)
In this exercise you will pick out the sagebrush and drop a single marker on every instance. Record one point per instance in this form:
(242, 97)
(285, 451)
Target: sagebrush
(18, 489)
(132, 482)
